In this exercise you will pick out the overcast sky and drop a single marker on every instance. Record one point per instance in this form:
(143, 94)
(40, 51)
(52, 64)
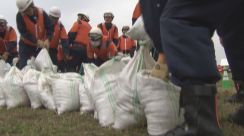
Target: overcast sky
(122, 10)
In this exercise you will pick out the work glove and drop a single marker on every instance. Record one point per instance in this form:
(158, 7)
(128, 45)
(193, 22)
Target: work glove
(5, 56)
(160, 70)
(46, 44)
(40, 44)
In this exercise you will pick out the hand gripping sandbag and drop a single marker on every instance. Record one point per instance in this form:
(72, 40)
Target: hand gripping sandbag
(104, 90)
(30, 81)
(137, 32)
(84, 91)
(43, 61)
(160, 102)
(13, 89)
(128, 108)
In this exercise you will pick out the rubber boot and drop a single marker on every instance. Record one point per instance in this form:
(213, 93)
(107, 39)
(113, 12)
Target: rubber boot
(200, 112)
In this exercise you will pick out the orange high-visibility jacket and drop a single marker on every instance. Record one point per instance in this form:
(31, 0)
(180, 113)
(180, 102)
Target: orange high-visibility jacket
(106, 50)
(10, 36)
(82, 28)
(37, 30)
(136, 13)
(125, 43)
(112, 33)
(59, 33)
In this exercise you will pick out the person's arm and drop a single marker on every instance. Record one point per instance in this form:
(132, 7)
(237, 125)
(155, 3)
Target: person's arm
(48, 26)
(90, 54)
(64, 40)
(112, 50)
(116, 36)
(22, 29)
(73, 33)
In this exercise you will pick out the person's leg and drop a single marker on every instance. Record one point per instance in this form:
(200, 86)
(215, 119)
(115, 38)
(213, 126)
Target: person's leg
(25, 52)
(53, 55)
(186, 31)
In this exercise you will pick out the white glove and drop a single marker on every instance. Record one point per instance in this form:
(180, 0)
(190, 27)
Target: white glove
(160, 71)
(40, 43)
(46, 44)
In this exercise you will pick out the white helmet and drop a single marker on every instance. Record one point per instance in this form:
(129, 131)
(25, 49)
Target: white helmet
(55, 12)
(3, 19)
(95, 36)
(23, 4)
(108, 14)
(84, 16)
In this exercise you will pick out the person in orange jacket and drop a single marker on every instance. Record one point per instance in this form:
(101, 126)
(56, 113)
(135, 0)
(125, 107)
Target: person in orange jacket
(35, 30)
(78, 38)
(100, 48)
(8, 41)
(108, 28)
(126, 45)
(59, 36)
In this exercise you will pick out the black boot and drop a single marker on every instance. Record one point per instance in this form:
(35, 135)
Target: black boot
(239, 96)
(200, 112)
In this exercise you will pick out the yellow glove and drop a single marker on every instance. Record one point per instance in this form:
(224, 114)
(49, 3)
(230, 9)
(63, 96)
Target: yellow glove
(46, 44)
(40, 43)
(5, 55)
(160, 70)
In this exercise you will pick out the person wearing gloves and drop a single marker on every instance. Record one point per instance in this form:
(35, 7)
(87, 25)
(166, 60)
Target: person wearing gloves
(35, 30)
(108, 28)
(100, 48)
(78, 38)
(126, 45)
(59, 36)
(8, 41)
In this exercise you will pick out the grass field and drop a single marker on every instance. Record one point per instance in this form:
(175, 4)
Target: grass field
(41, 122)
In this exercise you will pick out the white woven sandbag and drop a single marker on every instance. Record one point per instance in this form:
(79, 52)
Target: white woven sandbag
(66, 95)
(43, 61)
(128, 110)
(4, 68)
(46, 93)
(104, 90)
(160, 101)
(84, 90)
(2, 97)
(13, 89)
(137, 32)
(30, 81)
(30, 65)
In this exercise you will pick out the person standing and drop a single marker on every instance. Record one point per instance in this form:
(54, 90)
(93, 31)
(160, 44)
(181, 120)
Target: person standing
(8, 41)
(35, 30)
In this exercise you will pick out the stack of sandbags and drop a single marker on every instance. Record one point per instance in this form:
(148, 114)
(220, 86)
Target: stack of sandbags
(44, 62)
(160, 102)
(104, 90)
(128, 108)
(2, 97)
(4, 68)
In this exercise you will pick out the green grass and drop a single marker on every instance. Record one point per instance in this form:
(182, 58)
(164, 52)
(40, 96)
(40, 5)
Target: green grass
(28, 122)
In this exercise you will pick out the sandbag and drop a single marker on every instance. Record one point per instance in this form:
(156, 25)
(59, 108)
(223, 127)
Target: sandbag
(160, 102)
(84, 91)
(46, 92)
(43, 61)
(2, 97)
(4, 68)
(128, 108)
(137, 32)
(30, 65)
(104, 90)
(66, 95)
(30, 81)
(13, 89)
